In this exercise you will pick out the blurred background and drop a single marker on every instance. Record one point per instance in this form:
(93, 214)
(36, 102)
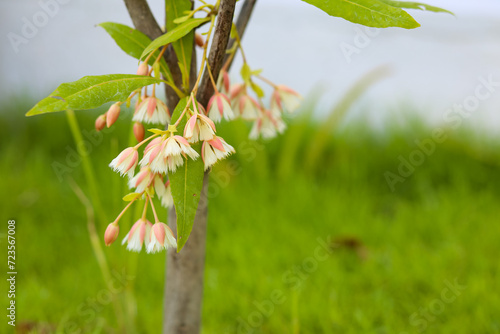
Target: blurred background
(375, 212)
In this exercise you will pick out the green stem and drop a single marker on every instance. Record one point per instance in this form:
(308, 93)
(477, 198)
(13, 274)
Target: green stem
(87, 166)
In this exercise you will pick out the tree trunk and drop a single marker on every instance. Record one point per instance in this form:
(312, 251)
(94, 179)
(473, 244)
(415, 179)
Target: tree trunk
(184, 275)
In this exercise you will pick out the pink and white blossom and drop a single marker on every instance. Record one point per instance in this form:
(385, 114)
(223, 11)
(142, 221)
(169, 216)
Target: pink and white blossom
(285, 99)
(167, 154)
(142, 180)
(199, 127)
(215, 150)
(163, 191)
(161, 238)
(139, 234)
(219, 107)
(152, 111)
(125, 162)
(267, 126)
(246, 107)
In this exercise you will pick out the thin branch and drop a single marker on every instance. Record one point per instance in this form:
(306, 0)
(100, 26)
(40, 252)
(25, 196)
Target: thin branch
(217, 50)
(144, 21)
(241, 23)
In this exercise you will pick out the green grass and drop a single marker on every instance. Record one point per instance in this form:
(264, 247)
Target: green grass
(389, 253)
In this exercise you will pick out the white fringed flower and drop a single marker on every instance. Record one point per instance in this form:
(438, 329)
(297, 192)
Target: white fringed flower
(267, 126)
(199, 127)
(151, 110)
(125, 162)
(285, 99)
(246, 107)
(163, 191)
(214, 150)
(139, 234)
(141, 180)
(166, 154)
(219, 107)
(162, 238)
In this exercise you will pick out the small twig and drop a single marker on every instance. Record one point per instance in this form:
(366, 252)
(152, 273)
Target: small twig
(241, 25)
(96, 246)
(144, 21)
(217, 50)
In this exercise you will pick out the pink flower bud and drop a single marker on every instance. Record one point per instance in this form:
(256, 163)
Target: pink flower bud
(100, 122)
(112, 114)
(139, 131)
(143, 69)
(199, 40)
(111, 233)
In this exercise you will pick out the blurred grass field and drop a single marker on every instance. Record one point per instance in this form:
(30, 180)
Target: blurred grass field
(391, 255)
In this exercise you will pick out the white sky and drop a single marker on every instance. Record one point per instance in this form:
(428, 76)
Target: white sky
(295, 43)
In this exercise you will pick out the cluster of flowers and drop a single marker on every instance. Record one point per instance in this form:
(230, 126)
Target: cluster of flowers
(167, 151)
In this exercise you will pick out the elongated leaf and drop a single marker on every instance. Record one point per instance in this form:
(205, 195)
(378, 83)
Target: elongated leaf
(174, 35)
(416, 5)
(131, 197)
(91, 92)
(371, 13)
(184, 46)
(186, 183)
(133, 42)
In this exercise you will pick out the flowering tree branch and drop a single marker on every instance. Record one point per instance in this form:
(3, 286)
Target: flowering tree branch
(184, 270)
(144, 21)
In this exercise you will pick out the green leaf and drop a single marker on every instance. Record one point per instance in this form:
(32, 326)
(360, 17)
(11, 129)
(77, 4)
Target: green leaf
(173, 35)
(133, 42)
(131, 197)
(175, 15)
(91, 92)
(246, 72)
(257, 89)
(186, 184)
(416, 5)
(371, 13)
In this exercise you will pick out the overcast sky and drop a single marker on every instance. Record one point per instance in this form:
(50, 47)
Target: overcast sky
(434, 66)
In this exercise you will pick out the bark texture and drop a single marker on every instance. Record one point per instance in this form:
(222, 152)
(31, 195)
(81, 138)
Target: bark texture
(185, 270)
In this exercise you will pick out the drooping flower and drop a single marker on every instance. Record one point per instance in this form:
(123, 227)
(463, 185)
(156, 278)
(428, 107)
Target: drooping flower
(151, 110)
(139, 234)
(163, 191)
(125, 162)
(246, 107)
(166, 154)
(267, 126)
(161, 238)
(199, 127)
(214, 150)
(218, 107)
(285, 99)
(141, 180)
(111, 233)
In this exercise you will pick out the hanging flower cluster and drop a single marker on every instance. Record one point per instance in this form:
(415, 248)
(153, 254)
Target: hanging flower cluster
(147, 164)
